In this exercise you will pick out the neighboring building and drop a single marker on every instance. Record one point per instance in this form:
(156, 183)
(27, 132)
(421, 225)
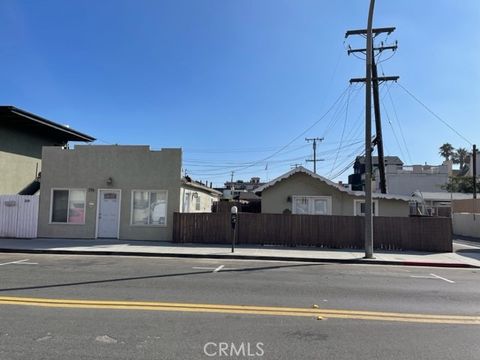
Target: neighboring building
(197, 197)
(469, 172)
(244, 185)
(405, 180)
(22, 136)
(357, 179)
(435, 203)
(300, 191)
(109, 191)
(401, 179)
(234, 189)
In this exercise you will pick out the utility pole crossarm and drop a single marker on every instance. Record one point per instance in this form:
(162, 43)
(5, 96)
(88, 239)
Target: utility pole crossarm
(314, 140)
(380, 49)
(375, 31)
(379, 78)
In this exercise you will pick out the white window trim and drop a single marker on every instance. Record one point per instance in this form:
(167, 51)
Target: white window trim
(148, 225)
(356, 201)
(198, 203)
(68, 206)
(328, 198)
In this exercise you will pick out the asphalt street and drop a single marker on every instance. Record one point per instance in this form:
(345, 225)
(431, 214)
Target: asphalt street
(195, 309)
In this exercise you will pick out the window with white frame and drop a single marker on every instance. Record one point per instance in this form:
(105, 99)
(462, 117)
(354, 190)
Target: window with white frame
(359, 207)
(68, 206)
(149, 207)
(197, 203)
(312, 205)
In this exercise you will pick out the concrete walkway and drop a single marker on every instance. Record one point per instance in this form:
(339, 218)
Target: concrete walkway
(465, 254)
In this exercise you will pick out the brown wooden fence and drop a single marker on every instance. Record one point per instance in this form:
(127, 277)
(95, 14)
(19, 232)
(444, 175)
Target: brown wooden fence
(466, 206)
(336, 232)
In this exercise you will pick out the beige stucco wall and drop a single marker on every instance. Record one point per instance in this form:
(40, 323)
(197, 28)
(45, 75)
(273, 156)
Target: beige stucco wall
(131, 168)
(276, 198)
(17, 171)
(20, 153)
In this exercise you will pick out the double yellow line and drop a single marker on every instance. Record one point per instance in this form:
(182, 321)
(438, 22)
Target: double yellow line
(241, 309)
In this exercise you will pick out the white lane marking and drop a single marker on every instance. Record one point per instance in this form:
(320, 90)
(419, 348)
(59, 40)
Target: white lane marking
(19, 262)
(432, 276)
(465, 245)
(219, 268)
(444, 279)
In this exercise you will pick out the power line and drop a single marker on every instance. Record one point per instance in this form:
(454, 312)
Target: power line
(339, 98)
(358, 152)
(343, 133)
(394, 133)
(434, 114)
(399, 124)
(215, 166)
(340, 110)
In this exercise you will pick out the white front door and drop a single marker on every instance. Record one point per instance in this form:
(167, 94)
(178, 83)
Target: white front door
(108, 213)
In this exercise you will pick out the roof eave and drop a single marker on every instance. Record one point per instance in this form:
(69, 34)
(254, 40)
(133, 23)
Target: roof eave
(78, 135)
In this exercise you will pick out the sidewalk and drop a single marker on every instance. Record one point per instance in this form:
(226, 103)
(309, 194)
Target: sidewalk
(462, 257)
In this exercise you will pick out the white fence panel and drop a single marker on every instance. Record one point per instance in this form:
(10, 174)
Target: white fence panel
(466, 224)
(18, 216)
(8, 215)
(27, 218)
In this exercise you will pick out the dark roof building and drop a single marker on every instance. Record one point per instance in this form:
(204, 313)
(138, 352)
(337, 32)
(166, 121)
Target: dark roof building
(22, 136)
(357, 179)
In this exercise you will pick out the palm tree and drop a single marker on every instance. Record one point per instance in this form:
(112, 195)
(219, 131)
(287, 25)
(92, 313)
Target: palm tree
(460, 157)
(446, 150)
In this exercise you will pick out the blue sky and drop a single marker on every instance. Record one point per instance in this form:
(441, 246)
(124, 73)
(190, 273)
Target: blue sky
(234, 82)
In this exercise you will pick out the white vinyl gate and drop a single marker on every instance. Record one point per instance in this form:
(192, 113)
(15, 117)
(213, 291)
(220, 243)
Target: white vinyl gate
(18, 216)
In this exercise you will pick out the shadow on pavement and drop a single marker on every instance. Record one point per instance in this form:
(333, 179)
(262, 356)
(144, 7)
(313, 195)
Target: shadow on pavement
(471, 253)
(153, 277)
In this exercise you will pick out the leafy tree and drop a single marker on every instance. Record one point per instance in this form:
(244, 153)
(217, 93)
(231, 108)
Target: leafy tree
(460, 156)
(446, 151)
(463, 184)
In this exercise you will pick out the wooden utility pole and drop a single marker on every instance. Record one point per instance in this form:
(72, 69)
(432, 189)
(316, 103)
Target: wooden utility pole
(378, 126)
(474, 168)
(368, 138)
(378, 141)
(314, 152)
(368, 128)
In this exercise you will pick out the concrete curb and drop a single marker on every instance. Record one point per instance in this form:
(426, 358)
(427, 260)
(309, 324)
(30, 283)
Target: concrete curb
(244, 257)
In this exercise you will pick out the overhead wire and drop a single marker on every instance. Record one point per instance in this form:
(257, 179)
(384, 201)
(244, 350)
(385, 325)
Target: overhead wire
(399, 124)
(393, 131)
(343, 132)
(434, 114)
(263, 160)
(211, 169)
(357, 152)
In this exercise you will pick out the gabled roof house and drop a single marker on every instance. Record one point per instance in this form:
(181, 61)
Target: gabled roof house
(301, 191)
